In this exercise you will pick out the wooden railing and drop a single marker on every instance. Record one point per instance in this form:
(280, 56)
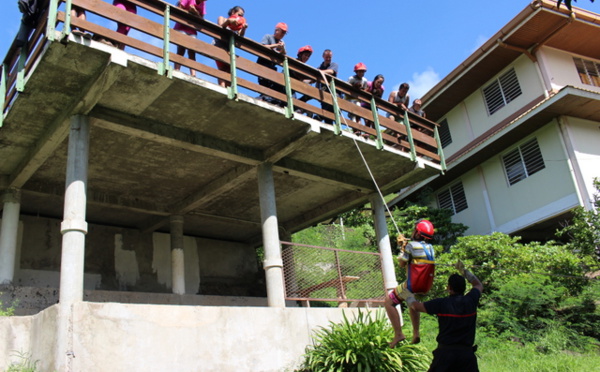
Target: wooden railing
(410, 133)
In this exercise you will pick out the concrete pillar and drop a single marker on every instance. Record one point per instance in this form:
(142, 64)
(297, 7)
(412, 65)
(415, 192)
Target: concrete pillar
(273, 263)
(73, 229)
(177, 257)
(8, 234)
(383, 242)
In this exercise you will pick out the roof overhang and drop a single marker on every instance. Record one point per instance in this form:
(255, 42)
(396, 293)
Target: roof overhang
(539, 24)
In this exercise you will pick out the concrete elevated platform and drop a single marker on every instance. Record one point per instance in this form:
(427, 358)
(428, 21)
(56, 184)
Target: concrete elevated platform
(161, 146)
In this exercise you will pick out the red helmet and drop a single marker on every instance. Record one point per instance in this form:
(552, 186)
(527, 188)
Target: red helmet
(425, 228)
(306, 48)
(237, 23)
(360, 67)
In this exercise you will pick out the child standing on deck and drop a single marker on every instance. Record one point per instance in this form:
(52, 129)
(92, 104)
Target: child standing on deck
(197, 8)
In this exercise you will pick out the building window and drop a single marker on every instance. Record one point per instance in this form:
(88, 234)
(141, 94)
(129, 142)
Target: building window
(453, 198)
(523, 161)
(589, 71)
(444, 131)
(502, 91)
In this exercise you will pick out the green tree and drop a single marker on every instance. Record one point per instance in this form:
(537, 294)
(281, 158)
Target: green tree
(583, 231)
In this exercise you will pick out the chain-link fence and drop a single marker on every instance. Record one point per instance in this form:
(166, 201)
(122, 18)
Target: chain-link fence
(314, 273)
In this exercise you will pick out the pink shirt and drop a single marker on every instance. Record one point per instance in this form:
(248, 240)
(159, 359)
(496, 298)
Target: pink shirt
(200, 6)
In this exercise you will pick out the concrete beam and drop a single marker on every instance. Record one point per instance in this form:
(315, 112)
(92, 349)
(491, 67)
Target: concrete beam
(324, 175)
(172, 136)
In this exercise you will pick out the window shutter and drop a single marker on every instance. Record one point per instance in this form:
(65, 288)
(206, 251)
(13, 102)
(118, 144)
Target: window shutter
(502, 91)
(444, 131)
(453, 198)
(523, 161)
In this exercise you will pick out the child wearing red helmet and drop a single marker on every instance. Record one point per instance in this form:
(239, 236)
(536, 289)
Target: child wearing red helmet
(236, 23)
(358, 81)
(418, 257)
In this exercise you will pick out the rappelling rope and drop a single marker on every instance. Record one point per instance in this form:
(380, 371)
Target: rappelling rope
(363, 158)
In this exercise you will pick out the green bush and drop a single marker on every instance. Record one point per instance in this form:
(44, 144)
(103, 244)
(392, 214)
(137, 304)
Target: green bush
(362, 345)
(7, 310)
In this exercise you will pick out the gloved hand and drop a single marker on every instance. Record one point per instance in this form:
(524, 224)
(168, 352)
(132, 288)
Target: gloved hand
(460, 266)
(402, 242)
(405, 293)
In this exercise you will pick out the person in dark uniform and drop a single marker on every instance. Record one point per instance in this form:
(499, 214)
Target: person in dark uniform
(457, 315)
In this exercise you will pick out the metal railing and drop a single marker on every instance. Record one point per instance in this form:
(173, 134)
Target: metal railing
(152, 38)
(314, 273)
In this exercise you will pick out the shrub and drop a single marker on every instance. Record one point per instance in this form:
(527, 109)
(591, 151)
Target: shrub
(362, 345)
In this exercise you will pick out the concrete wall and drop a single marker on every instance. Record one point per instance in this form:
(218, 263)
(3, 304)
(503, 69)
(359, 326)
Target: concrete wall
(126, 260)
(124, 337)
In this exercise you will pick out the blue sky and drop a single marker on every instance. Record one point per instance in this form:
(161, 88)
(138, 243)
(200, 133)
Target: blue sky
(418, 42)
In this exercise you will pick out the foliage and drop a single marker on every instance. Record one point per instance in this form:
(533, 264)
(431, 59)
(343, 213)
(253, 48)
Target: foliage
(362, 345)
(25, 364)
(532, 291)
(446, 231)
(7, 311)
(405, 219)
(583, 231)
(498, 255)
(337, 236)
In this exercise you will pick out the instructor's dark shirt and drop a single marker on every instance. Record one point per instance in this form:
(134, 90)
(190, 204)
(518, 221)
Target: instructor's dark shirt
(457, 316)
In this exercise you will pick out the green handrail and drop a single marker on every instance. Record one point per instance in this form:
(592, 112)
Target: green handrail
(3, 92)
(337, 126)
(67, 26)
(51, 25)
(413, 152)
(438, 140)
(21, 68)
(289, 110)
(164, 67)
(232, 91)
(379, 141)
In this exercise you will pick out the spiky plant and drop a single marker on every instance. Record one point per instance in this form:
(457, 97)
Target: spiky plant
(362, 345)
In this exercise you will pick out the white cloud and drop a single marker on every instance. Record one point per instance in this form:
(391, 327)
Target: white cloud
(423, 81)
(481, 39)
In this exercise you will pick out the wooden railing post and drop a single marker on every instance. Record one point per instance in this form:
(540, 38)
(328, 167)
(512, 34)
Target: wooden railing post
(337, 126)
(379, 142)
(232, 91)
(164, 67)
(289, 110)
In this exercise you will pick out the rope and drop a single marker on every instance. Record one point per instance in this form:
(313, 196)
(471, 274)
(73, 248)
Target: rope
(524, 272)
(363, 159)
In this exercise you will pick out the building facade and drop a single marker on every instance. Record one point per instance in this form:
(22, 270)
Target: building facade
(520, 126)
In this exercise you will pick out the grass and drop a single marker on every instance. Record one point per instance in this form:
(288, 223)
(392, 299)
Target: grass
(495, 355)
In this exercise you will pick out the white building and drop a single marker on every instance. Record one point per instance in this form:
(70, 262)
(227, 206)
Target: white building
(520, 125)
